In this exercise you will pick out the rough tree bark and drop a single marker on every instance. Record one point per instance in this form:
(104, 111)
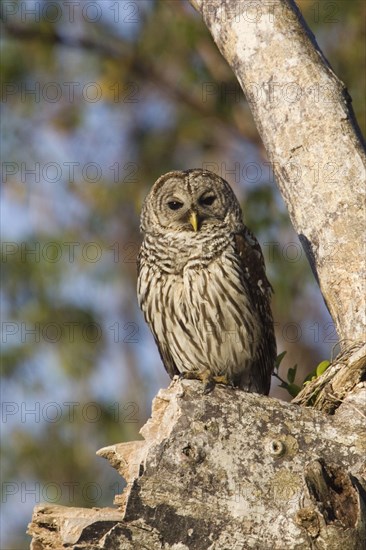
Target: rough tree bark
(233, 471)
(227, 471)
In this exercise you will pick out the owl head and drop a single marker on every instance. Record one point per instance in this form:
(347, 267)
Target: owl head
(190, 201)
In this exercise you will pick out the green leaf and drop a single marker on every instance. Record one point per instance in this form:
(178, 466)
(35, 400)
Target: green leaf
(318, 371)
(322, 367)
(279, 359)
(293, 389)
(291, 373)
(308, 381)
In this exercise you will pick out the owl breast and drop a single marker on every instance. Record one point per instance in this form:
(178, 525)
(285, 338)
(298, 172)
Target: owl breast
(201, 314)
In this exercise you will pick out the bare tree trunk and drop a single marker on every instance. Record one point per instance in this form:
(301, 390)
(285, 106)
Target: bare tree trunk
(303, 113)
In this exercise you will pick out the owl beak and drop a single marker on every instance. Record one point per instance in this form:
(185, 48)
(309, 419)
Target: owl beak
(193, 220)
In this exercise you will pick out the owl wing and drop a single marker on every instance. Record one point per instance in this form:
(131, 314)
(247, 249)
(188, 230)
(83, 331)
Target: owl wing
(260, 290)
(161, 342)
(252, 262)
(167, 359)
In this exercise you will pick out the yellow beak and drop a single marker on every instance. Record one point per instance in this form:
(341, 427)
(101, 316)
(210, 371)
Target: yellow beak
(193, 220)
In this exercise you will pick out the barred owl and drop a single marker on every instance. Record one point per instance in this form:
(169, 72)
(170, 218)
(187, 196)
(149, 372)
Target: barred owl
(202, 285)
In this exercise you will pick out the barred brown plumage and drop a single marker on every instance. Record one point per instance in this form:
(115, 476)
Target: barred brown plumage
(202, 285)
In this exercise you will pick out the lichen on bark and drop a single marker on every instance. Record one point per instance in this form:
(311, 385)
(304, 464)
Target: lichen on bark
(228, 470)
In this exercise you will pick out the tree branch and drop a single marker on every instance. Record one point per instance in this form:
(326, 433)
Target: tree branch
(142, 70)
(341, 379)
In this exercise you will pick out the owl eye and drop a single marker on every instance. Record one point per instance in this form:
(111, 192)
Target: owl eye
(175, 205)
(207, 201)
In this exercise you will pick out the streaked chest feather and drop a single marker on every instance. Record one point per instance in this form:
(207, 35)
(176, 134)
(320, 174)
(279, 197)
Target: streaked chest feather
(204, 309)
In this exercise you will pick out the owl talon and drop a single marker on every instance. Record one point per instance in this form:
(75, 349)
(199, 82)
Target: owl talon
(211, 383)
(222, 380)
(189, 375)
(205, 377)
(208, 387)
(208, 380)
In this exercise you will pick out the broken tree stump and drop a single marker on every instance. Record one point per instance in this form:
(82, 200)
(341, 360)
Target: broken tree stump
(229, 471)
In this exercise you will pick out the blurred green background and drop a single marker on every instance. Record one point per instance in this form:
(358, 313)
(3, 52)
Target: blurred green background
(98, 100)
